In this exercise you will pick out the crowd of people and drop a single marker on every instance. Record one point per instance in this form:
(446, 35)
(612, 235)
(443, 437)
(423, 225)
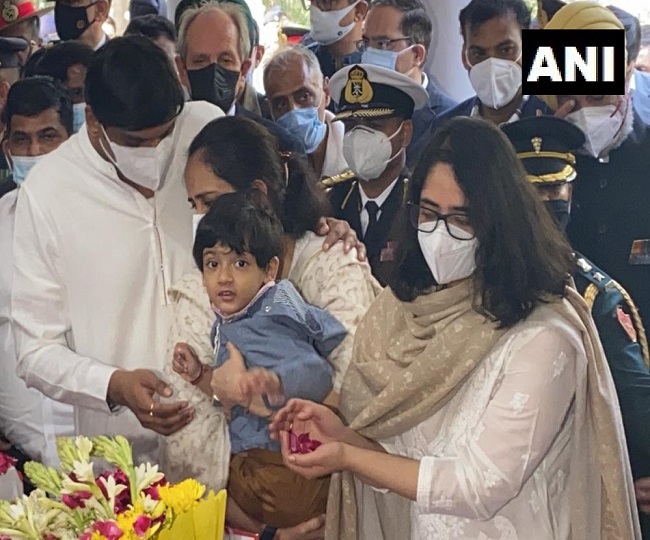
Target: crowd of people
(362, 308)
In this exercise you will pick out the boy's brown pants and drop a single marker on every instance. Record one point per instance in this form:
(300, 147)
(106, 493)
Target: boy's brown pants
(269, 492)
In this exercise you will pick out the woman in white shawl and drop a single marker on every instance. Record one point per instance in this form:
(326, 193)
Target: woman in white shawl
(478, 394)
(235, 154)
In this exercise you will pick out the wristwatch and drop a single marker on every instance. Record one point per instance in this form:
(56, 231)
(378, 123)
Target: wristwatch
(268, 533)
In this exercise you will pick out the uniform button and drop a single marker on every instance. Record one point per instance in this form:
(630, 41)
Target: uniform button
(267, 309)
(602, 229)
(603, 183)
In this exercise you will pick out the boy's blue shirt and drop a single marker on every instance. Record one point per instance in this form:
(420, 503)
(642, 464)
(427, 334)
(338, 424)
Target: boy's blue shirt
(283, 333)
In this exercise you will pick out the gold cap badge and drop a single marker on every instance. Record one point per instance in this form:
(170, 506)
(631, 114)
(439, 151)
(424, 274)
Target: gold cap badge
(537, 144)
(358, 89)
(10, 12)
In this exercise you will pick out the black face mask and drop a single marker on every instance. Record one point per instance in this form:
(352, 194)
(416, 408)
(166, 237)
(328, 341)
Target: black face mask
(214, 84)
(560, 210)
(71, 21)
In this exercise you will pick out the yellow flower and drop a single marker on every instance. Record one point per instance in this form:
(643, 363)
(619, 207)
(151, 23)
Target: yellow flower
(181, 497)
(97, 536)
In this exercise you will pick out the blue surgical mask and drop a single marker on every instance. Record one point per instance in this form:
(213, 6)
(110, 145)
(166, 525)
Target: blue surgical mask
(20, 166)
(78, 116)
(379, 57)
(306, 125)
(641, 96)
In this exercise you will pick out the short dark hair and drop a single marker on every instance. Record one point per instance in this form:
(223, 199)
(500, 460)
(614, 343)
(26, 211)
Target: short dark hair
(522, 258)
(645, 35)
(415, 22)
(244, 222)
(478, 12)
(32, 96)
(632, 28)
(240, 151)
(131, 84)
(152, 26)
(56, 60)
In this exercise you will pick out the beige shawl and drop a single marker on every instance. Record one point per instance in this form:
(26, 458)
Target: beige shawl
(409, 359)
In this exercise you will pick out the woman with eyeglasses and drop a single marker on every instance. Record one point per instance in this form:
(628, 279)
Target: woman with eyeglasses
(477, 403)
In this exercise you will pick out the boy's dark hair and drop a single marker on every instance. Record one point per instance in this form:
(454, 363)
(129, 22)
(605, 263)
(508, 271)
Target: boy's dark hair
(245, 223)
(55, 61)
(522, 258)
(131, 84)
(30, 97)
(241, 151)
(478, 12)
(415, 22)
(152, 26)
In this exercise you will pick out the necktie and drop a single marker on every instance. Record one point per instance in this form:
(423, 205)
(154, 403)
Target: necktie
(373, 209)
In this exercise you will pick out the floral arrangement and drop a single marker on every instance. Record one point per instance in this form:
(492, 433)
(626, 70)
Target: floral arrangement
(129, 503)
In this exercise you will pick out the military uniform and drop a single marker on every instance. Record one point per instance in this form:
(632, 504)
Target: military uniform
(381, 245)
(365, 93)
(545, 146)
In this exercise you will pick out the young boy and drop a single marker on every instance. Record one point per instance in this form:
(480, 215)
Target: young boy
(238, 248)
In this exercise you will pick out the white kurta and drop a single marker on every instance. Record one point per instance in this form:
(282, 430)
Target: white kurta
(334, 162)
(28, 419)
(494, 461)
(93, 260)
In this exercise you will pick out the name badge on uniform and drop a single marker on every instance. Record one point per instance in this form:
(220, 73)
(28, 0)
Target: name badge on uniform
(626, 322)
(640, 252)
(388, 253)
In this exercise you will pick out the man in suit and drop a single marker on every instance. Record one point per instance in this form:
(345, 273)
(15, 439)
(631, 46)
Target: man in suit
(376, 105)
(491, 54)
(397, 35)
(214, 59)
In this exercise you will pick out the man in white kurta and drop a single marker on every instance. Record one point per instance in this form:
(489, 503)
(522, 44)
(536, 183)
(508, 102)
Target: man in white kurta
(38, 115)
(93, 260)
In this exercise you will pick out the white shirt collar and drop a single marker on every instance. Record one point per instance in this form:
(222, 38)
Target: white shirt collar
(101, 41)
(231, 111)
(379, 200)
(425, 80)
(334, 162)
(514, 118)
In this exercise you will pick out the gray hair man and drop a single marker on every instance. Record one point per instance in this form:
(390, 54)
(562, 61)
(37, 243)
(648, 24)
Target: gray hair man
(213, 61)
(298, 95)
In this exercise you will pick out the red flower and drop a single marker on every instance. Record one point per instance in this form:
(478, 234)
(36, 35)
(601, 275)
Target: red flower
(76, 500)
(123, 500)
(6, 463)
(109, 529)
(302, 444)
(152, 490)
(141, 525)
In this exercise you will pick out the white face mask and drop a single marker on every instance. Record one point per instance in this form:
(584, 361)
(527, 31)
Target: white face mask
(21, 165)
(601, 125)
(325, 25)
(448, 258)
(368, 151)
(495, 81)
(196, 219)
(145, 166)
(380, 57)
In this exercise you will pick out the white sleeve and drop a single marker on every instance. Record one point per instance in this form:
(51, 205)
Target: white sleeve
(41, 317)
(518, 427)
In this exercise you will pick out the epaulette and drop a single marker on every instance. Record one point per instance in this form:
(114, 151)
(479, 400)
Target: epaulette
(331, 181)
(601, 282)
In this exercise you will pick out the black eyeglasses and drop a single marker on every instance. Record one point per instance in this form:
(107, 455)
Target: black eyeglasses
(426, 220)
(383, 44)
